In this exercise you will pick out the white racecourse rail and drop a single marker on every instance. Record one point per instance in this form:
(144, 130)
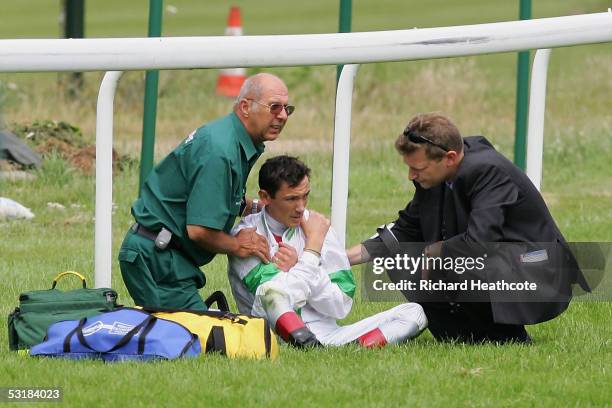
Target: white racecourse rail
(118, 54)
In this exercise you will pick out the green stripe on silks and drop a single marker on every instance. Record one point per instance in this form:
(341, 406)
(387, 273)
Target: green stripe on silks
(290, 233)
(345, 281)
(259, 275)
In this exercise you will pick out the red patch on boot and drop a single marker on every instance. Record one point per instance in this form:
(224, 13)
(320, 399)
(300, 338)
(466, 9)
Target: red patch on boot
(374, 338)
(288, 323)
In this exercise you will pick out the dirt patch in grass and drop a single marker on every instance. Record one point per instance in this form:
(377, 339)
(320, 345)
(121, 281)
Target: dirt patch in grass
(49, 137)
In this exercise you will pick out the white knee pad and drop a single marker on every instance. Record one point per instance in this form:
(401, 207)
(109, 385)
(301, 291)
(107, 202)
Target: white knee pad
(408, 320)
(274, 302)
(413, 312)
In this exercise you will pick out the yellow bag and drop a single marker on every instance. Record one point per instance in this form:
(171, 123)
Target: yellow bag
(232, 335)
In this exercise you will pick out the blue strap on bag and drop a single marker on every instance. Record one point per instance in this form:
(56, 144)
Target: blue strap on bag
(124, 334)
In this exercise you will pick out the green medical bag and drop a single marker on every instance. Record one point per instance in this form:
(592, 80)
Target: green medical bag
(38, 309)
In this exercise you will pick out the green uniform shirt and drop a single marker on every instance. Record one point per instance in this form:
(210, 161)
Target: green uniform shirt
(201, 182)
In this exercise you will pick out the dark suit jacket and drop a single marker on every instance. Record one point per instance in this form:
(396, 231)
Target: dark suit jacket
(492, 202)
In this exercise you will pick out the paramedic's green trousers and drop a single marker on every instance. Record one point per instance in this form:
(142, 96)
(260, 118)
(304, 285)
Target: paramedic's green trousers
(159, 279)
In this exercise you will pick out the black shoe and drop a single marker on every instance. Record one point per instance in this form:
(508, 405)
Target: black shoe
(526, 339)
(303, 338)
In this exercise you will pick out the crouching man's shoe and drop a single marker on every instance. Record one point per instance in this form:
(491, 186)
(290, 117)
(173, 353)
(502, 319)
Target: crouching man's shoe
(291, 328)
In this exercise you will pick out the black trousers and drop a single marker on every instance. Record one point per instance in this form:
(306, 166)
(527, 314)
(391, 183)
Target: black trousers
(470, 323)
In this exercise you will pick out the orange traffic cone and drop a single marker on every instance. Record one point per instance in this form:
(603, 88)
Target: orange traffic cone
(230, 80)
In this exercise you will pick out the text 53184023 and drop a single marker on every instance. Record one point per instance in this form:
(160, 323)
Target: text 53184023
(15, 394)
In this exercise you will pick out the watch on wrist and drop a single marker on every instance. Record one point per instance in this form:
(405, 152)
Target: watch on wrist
(254, 206)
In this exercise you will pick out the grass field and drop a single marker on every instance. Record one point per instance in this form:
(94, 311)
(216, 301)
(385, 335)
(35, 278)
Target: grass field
(569, 363)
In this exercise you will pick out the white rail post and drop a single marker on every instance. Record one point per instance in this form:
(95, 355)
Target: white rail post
(104, 179)
(342, 142)
(537, 108)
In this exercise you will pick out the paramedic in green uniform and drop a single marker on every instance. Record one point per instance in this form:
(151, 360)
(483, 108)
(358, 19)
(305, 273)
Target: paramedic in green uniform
(191, 199)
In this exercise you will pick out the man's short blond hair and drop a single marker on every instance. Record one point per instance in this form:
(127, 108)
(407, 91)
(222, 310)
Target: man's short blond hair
(435, 127)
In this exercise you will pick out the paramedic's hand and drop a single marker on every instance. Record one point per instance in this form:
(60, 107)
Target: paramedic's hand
(315, 228)
(250, 243)
(286, 257)
(431, 251)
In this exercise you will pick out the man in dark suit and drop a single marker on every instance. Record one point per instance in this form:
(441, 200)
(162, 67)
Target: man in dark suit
(471, 202)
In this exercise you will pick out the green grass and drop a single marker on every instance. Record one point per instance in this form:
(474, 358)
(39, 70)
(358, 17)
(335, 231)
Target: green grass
(569, 364)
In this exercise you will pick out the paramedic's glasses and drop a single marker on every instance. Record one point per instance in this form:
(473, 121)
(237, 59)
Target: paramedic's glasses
(276, 108)
(414, 138)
